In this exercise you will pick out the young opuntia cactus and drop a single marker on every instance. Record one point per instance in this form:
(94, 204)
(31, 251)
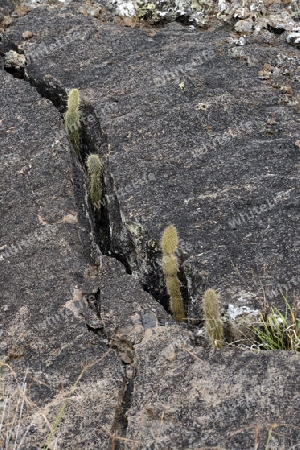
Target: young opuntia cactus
(95, 168)
(169, 243)
(72, 120)
(213, 323)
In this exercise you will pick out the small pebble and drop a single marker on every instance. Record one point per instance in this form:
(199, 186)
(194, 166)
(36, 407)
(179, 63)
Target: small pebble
(27, 34)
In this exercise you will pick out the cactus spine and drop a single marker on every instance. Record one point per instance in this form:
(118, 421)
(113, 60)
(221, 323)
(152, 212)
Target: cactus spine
(72, 120)
(95, 168)
(213, 323)
(169, 244)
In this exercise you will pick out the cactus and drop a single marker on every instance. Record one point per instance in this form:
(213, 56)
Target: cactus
(170, 265)
(73, 100)
(72, 120)
(95, 168)
(169, 243)
(213, 323)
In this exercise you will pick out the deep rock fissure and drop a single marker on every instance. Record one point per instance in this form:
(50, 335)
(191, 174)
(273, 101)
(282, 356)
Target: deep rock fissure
(93, 141)
(109, 241)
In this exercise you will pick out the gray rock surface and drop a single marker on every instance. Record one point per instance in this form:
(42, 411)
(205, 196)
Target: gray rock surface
(6, 8)
(188, 144)
(44, 260)
(230, 399)
(194, 128)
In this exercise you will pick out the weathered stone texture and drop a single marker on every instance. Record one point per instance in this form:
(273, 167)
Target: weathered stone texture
(43, 263)
(198, 129)
(201, 134)
(188, 398)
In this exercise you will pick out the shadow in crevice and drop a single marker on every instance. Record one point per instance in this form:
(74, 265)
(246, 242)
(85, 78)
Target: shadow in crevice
(110, 233)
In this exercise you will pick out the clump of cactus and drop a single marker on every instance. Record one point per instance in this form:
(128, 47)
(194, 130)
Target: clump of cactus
(94, 166)
(72, 120)
(169, 244)
(213, 322)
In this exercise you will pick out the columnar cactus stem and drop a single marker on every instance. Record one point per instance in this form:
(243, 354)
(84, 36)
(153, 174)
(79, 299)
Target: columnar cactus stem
(95, 168)
(72, 120)
(213, 322)
(169, 244)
